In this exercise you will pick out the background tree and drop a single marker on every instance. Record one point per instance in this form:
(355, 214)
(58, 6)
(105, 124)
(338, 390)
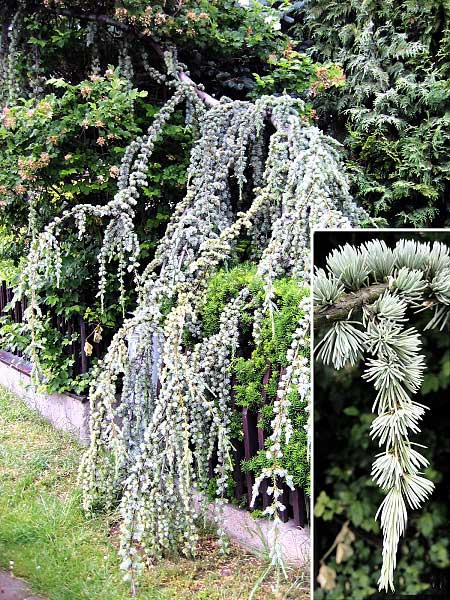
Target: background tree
(393, 111)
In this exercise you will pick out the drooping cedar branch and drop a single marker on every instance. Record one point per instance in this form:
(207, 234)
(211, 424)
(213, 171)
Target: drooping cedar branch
(204, 97)
(348, 302)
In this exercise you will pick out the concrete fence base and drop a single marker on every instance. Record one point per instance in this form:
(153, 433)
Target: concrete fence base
(66, 412)
(70, 413)
(258, 535)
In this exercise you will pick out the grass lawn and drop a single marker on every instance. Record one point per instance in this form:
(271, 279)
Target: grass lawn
(65, 556)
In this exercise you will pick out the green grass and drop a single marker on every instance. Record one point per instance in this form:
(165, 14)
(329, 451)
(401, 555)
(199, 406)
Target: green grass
(65, 556)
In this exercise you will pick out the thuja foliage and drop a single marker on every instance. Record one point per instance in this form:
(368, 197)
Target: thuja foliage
(411, 277)
(394, 106)
(159, 410)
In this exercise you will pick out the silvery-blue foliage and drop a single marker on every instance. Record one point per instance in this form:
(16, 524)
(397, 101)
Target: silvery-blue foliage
(158, 412)
(417, 278)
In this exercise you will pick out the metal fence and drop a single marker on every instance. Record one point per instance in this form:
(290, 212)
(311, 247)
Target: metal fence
(67, 327)
(252, 439)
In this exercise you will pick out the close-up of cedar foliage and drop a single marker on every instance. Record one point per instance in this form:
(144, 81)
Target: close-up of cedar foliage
(121, 107)
(348, 548)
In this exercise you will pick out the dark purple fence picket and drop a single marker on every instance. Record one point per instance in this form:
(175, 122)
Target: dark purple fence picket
(253, 438)
(16, 311)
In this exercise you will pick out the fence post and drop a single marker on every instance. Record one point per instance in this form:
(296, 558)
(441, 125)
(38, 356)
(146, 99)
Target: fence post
(238, 475)
(2, 296)
(299, 507)
(84, 359)
(249, 421)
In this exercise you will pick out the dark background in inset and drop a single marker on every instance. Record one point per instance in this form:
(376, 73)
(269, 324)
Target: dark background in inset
(344, 453)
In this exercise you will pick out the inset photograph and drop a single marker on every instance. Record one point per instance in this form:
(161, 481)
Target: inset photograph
(381, 418)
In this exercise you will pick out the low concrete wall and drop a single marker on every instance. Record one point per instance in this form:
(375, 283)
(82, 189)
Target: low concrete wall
(257, 535)
(71, 413)
(65, 411)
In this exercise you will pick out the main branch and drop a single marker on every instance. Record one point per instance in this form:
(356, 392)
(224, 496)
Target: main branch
(106, 20)
(348, 302)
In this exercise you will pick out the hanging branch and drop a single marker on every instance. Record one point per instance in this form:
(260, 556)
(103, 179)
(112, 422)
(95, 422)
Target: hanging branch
(144, 437)
(151, 443)
(416, 275)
